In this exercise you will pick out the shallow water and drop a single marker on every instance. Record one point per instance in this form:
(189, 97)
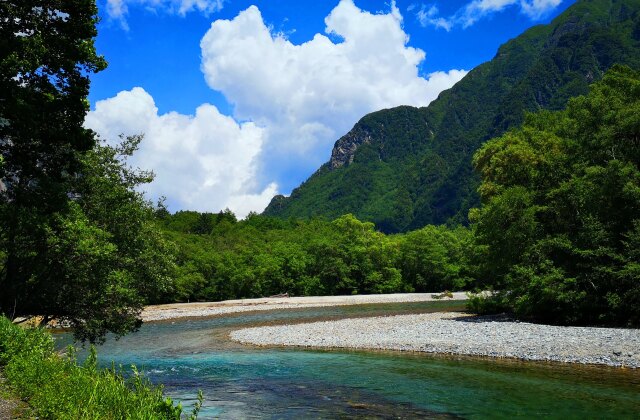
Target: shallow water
(246, 382)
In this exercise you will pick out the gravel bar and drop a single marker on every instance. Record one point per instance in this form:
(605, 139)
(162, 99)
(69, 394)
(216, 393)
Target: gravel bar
(208, 309)
(459, 333)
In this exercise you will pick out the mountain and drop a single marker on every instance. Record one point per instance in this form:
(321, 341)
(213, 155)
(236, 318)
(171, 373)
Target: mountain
(406, 167)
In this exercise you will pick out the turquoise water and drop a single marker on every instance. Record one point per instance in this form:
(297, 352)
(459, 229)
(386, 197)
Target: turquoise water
(246, 382)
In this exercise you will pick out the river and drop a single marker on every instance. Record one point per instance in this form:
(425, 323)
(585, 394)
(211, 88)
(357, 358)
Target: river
(247, 382)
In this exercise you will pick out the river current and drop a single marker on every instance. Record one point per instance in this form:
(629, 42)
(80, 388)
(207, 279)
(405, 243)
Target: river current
(247, 382)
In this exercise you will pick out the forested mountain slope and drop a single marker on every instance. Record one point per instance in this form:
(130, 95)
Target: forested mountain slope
(407, 167)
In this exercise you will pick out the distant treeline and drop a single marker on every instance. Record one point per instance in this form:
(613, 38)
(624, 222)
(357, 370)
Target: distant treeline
(219, 257)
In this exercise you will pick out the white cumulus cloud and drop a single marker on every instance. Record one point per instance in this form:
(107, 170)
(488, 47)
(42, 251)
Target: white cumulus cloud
(310, 94)
(203, 162)
(428, 15)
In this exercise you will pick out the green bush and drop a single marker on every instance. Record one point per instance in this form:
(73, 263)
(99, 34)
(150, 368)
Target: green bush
(58, 387)
(486, 303)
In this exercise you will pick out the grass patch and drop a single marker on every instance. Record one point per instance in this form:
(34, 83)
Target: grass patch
(58, 387)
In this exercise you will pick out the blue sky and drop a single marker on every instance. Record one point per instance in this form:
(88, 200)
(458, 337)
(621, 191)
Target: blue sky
(240, 100)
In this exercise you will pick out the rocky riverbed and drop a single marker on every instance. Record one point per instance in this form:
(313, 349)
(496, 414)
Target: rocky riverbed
(459, 333)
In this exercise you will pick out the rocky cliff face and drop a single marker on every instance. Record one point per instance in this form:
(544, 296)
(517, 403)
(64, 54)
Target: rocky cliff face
(345, 148)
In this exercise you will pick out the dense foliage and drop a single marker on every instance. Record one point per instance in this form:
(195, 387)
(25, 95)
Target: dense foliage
(106, 255)
(77, 243)
(46, 54)
(559, 224)
(413, 165)
(57, 387)
(221, 258)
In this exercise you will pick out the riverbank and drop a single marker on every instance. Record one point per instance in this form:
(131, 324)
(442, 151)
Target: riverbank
(209, 309)
(11, 407)
(56, 386)
(459, 333)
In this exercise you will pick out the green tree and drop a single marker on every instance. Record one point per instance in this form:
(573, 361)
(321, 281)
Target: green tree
(46, 57)
(141, 266)
(436, 258)
(262, 256)
(561, 199)
(76, 239)
(104, 256)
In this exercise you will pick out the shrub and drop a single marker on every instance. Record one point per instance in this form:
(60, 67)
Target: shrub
(57, 386)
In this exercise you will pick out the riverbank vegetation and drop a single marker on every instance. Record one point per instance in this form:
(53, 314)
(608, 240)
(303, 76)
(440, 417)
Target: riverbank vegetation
(57, 387)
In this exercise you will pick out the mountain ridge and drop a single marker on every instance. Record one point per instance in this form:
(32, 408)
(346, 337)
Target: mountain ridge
(406, 167)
